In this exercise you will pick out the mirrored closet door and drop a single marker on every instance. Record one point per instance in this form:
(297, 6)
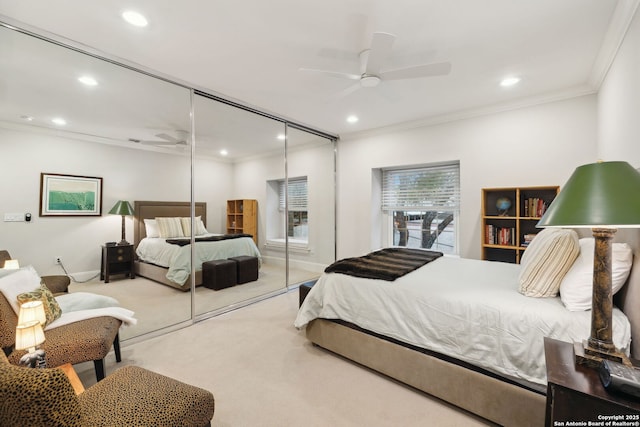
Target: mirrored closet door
(70, 113)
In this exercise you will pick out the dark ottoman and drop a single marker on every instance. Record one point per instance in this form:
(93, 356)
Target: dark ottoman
(247, 268)
(219, 274)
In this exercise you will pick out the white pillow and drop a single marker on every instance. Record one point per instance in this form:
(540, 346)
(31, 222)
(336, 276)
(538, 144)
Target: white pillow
(151, 228)
(576, 288)
(169, 227)
(186, 226)
(545, 262)
(23, 280)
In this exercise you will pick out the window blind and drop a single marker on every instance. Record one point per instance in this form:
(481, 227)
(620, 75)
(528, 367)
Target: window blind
(423, 188)
(297, 194)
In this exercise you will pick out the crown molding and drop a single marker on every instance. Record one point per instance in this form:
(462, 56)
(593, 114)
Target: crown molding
(618, 26)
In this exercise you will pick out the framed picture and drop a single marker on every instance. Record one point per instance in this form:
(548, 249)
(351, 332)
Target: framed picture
(70, 195)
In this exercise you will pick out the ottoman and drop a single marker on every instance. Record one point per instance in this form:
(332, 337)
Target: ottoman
(219, 274)
(247, 268)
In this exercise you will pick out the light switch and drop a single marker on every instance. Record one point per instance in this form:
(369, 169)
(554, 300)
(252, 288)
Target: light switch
(14, 217)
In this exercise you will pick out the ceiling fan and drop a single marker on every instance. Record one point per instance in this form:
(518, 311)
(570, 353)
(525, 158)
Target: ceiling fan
(180, 140)
(372, 62)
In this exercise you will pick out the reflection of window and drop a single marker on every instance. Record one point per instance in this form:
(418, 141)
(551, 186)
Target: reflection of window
(298, 226)
(422, 205)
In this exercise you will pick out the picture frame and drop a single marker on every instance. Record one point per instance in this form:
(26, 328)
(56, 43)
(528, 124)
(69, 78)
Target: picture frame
(70, 195)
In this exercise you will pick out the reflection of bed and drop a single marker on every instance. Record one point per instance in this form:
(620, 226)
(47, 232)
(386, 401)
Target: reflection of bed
(511, 393)
(170, 264)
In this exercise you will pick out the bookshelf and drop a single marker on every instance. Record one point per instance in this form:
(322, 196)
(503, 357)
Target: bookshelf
(507, 228)
(242, 217)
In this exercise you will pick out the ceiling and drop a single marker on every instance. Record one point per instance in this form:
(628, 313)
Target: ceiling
(253, 51)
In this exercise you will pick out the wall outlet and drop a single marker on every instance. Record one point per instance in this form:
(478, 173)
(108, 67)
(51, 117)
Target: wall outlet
(58, 260)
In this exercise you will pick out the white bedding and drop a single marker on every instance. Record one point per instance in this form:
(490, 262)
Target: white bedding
(178, 258)
(468, 309)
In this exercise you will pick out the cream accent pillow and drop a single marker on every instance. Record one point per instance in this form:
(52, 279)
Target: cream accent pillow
(151, 228)
(186, 226)
(576, 288)
(545, 262)
(169, 227)
(23, 280)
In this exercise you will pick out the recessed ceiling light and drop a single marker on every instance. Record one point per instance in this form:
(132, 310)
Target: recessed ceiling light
(59, 121)
(223, 152)
(352, 119)
(134, 18)
(509, 81)
(281, 137)
(88, 80)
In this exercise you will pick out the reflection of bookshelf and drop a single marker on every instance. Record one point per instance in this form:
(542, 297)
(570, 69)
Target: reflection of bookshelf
(242, 217)
(507, 232)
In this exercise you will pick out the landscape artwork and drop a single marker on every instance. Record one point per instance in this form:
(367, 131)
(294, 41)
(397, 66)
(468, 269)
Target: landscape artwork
(70, 195)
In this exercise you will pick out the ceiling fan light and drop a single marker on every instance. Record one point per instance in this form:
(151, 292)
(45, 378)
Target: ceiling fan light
(369, 81)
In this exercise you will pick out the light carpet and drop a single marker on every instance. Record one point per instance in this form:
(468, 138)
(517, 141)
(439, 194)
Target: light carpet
(264, 372)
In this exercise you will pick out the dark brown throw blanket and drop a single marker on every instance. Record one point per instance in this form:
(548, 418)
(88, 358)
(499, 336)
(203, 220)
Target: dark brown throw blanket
(184, 242)
(385, 264)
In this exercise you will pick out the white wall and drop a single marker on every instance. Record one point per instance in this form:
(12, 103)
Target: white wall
(619, 103)
(539, 145)
(128, 174)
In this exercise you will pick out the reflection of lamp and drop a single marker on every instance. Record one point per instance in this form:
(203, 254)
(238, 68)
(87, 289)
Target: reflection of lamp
(32, 310)
(122, 208)
(11, 264)
(604, 197)
(28, 337)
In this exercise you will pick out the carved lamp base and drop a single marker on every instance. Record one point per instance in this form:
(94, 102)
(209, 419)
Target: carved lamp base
(592, 357)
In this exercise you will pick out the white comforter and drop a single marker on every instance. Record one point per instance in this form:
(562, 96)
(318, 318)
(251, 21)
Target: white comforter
(178, 258)
(464, 308)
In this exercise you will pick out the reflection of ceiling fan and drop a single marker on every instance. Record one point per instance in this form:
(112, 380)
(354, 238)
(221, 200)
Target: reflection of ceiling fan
(166, 140)
(371, 66)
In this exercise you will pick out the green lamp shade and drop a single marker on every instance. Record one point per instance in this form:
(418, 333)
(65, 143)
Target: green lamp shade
(122, 208)
(605, 194)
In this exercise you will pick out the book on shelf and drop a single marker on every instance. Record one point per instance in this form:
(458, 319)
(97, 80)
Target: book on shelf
(527, 238)
(534, 207)
(504, 236)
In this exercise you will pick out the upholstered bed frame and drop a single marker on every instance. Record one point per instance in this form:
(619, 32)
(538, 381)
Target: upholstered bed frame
(149, 210)
(488, 396)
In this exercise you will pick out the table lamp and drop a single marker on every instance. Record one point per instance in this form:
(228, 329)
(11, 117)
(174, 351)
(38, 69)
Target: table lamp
(32, 310)
(122, 208)
(11, 264)
(28, 337)
(602, 196)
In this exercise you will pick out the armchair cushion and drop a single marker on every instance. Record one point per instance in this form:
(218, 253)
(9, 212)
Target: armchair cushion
(36, 397)
(58, 284)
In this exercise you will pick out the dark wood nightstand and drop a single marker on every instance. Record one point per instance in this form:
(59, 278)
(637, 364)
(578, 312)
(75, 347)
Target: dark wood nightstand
(575, 392)
(117, 260)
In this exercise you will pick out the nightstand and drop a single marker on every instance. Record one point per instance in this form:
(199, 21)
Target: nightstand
(575, 392)
(116, 259)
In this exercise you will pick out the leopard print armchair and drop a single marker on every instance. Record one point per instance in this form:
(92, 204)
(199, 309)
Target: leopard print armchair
(83, 341)
(131, 396)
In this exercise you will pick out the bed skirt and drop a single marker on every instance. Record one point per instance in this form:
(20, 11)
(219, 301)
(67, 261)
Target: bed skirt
(159, 274)
(489, 397)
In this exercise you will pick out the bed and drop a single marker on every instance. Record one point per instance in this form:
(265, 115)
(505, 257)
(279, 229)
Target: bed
(475, 372)
(170, 263)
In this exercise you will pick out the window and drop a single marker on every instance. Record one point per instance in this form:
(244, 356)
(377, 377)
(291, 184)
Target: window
(298, 227)
(422, 205)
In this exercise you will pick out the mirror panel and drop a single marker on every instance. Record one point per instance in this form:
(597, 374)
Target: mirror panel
(311, 204)
(254, 153)
(39, 82)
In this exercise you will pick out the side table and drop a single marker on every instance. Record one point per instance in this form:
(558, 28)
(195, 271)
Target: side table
(576, 396)
(117, 259)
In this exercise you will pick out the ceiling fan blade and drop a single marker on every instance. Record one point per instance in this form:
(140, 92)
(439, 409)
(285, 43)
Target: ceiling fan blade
(381, 45)
(332, 73)
(426, 70)
(167, 137)
(347, 91)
